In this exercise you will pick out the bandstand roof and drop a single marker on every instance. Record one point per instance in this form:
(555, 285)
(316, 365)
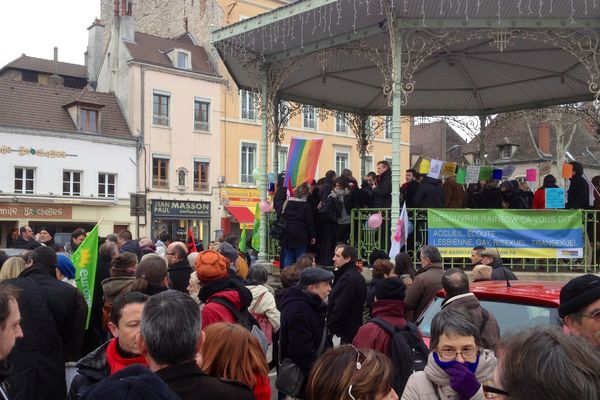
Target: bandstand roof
(469, 57)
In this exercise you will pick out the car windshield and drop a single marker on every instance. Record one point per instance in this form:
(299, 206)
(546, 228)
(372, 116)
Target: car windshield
(510, 316)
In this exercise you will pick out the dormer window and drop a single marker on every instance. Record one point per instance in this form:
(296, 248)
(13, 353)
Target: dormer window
(507, 150)
(88, 120)
(182, 60)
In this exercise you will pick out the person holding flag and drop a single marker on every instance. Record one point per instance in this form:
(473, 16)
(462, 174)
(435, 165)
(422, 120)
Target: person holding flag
(300, 227)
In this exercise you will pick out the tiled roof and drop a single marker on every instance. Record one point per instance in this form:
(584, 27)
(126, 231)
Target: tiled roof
(84, 96)
(426, 140)
(47, 66)
(511, 130)
(152, 49)
(35, 106)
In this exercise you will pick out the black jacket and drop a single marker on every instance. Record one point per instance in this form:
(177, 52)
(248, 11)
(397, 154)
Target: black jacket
(189, 382)
(300, 227)
(430, 194)
(408, 192)
(20, 243)
(382, 193)
(302, 327)
(53, 317)
(131, 246)
(578, 195)
(346, 301)
(500, 272)
(91, 369)
(179, 273)
(132, 383)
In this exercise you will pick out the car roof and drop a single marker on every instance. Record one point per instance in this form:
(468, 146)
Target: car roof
(542, 293)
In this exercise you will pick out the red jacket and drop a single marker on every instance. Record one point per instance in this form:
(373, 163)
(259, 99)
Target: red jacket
(370, 335)
(262, 389)
(213, 312)
(539, 199)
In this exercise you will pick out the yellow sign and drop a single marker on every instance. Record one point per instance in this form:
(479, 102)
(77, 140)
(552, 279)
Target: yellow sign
(246, 197)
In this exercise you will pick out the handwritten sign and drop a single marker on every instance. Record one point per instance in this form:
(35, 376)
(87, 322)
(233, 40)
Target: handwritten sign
(555, 197)
(435, 169)
(424, 166)
(473, 174)
(449, 168)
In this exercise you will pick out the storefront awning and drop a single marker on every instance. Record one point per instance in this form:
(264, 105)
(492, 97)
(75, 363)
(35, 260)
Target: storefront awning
(243, 215)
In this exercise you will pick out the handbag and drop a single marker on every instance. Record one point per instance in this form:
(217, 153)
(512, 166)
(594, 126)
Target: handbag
(264, 323)
(290, 377)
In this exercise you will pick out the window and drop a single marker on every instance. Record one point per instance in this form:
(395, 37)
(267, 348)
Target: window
(29, 76)
(506, 151)
(88, 120)
(284, 113)
(389, 160)
(340, 122)
(71, 183)
(248, 162)
(160, 172)
(368, 164)
(160, 108)
(24, 180)
(282, 155)
(341, 162)
(182, 60)
(201, 175)
(201, 109)
(476, 159)
(387, 127)
(308, 117)
(106, 185)
(247, 100)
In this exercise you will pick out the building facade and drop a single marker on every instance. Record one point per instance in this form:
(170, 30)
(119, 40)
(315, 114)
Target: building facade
(68, 157)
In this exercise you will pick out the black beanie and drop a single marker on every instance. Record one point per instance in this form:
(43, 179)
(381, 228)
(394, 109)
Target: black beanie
(377, 255)
(49, 229)
(390, 289)
(578, 293)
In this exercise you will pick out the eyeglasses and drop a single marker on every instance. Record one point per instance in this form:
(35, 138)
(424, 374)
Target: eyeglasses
(358, 368)
(451, 354)
(594, 315)
(491, 389)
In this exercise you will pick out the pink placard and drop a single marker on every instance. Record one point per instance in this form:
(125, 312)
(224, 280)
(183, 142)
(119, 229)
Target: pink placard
(531, 174)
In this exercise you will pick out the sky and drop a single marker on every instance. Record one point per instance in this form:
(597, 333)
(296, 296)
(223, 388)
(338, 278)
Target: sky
(35, 27)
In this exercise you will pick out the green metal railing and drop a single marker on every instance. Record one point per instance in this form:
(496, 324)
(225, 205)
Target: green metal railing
(366, 239)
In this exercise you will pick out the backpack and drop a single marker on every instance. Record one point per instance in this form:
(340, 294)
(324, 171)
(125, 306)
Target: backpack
(407, 351)
(326, 211)
(245, 319)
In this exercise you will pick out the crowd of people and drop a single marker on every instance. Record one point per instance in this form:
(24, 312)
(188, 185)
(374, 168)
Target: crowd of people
(200, 325)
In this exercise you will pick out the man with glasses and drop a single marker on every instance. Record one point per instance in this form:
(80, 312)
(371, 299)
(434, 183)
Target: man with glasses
(25, 240)
(580, 307)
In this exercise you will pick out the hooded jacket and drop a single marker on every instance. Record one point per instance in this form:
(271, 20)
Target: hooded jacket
(346, 301)
(490, 334)
(371, 335)
(131, 246)
(112, 287)
(229, 289)
(500, 272)
(300, 227)
(433, 383)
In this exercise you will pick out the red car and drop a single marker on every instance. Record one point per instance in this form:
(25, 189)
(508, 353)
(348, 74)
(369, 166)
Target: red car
(520, 306)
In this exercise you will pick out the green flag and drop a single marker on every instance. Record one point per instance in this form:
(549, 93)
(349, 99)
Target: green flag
(242, 245)
(84, 259)
(256, 229)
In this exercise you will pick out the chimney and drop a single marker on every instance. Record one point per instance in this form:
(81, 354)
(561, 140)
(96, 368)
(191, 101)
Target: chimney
(95, 49)
(126, 22)
(55, 79)
(544, 137)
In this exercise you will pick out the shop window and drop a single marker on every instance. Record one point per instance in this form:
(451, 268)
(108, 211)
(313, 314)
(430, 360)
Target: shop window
(201, 183)
(24, 180)
(106, 185)
(71, 185)
(160, 172)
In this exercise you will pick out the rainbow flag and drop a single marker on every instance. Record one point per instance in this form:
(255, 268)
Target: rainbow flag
(302, 161)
